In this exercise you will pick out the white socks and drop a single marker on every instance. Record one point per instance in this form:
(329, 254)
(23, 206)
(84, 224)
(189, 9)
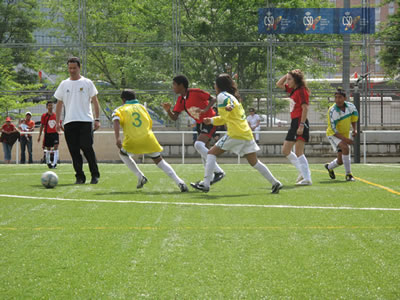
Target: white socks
(304, 167)
(346, 162)
(163, 165)
(292, 157)
(47, 156)
(210, 166)
(55, 159)
(263, 169)
(203, 151)
(333, 164)
(130, 163)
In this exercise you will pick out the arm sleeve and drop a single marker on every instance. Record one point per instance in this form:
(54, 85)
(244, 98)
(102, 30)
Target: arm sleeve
(303, 95)
(354, 115)
(92, 89)
(179, 105)
(60, 91)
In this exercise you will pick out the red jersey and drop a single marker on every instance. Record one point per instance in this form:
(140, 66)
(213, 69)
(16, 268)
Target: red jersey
(298, 97)
(49, 123)
(195, 98)
(8, 127)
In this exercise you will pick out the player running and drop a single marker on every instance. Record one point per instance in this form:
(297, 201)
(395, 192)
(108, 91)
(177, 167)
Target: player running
(139, 138)
(239, 138)
(51, 137)
(198, 105)
(341, 115)
(295, 85)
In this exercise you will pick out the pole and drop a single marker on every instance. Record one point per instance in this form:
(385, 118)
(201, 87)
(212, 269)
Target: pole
(356, 96)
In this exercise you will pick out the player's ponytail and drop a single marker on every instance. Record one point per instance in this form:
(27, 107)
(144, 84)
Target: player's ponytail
(225, 83)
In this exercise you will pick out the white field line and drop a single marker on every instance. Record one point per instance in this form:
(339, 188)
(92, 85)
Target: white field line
(205, 204)
(397, 166)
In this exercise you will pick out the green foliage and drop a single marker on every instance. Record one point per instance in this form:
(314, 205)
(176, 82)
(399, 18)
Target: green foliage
(389, 33)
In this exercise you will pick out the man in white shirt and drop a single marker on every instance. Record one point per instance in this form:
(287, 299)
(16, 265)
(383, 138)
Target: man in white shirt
(254, 122)
(77, 93)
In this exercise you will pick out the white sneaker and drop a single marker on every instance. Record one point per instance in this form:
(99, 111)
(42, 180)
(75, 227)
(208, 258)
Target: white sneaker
(304, 182)
(299, 178)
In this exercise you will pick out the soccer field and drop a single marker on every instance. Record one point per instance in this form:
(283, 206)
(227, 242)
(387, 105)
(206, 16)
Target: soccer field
(334, 239)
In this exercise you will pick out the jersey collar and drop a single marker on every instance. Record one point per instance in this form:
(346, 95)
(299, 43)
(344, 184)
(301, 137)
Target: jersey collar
(132, 101)
(337, 107)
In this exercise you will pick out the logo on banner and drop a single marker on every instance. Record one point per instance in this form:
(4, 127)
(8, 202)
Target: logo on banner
(270, 22)
(348, 21)
(310, 22)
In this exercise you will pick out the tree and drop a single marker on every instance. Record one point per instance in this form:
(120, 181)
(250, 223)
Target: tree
(390, 35)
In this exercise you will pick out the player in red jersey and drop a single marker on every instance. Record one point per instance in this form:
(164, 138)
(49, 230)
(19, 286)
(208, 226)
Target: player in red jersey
(51, 138)
(295, 85)
(198, 105)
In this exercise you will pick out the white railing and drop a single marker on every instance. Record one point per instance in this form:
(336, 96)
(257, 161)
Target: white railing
(182, 133)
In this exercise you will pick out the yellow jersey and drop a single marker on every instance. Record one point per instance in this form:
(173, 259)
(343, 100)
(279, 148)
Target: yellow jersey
(137, 126)
(235, 120)
(340, 121)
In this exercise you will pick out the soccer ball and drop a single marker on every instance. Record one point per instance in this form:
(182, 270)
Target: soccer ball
(49, 179)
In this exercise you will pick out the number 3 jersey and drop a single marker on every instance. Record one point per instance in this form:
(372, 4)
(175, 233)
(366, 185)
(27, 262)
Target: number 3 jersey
(137, 126)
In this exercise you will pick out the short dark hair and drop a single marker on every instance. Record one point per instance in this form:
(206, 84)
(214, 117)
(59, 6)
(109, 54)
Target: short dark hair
(128, 94)
(340, 91)
(49, 102)
(74, 59)
(251, 109)
(181, 79)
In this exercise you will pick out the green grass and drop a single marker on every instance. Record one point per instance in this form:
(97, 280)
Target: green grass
(63, 249)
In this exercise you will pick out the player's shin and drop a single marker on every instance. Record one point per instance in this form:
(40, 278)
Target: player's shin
(55, 158)
(263, 169)
(166, 167)
(130, 163)
(210, 166)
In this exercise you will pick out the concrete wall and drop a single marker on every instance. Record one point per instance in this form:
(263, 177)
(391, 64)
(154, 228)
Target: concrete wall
(380, 145)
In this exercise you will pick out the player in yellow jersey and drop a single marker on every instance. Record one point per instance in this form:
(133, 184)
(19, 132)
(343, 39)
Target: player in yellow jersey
(139, 138)
(239, 138)
(341, 116)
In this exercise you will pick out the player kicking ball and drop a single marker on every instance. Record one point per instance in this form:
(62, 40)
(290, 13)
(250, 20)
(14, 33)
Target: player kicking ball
(239, 138)
(341, 115)
(139, 138)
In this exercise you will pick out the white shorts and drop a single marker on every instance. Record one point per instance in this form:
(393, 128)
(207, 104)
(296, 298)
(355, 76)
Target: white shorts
(151, 155)
(240, 147)
(335, 143)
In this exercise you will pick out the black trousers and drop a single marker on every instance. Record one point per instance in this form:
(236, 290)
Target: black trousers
(79, 136)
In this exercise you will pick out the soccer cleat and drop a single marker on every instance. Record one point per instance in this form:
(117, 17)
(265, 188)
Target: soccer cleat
(299, 178)
(183, 187)
(276, 187)
(304, 182)
(217, 177)
(94, 180)
(349, 177)
(331, 173)
(80, 181)
(200, 186)
(141, 182)
(50, 166)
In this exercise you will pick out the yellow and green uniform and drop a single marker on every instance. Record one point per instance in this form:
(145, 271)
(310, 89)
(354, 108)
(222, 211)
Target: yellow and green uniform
(235, 120)
(137, 126)
(340, 121)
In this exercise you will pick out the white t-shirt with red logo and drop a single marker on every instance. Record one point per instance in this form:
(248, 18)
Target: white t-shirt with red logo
(76, 96)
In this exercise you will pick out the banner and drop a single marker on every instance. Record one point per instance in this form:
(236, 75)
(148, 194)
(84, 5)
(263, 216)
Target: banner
(316, 20)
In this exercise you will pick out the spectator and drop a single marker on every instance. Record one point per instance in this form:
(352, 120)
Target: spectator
(254, 122)
(27, 125)
(9, 135)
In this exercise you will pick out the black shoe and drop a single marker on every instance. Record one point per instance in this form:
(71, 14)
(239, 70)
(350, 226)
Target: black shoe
(183, 187)
(50, 166)
(94, 180)
(141, 182)
(217, 177)
(80, 181)
(276, 187)
(55, 166)
(200, 186)
(331, 173)
(349, 177)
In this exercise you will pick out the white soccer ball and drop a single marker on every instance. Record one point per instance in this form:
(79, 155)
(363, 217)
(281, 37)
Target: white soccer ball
(49, 179)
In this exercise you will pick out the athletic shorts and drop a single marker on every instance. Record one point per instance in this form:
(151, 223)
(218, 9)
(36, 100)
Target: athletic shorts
(335, 143)
(51, 139)
(292, 133)
(208, 130)
(151, 155)
(240, 147)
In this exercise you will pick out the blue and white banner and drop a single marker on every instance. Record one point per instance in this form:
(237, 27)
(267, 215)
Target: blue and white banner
(316, 20)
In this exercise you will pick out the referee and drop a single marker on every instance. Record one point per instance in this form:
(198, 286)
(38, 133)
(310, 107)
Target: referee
(76, 94)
